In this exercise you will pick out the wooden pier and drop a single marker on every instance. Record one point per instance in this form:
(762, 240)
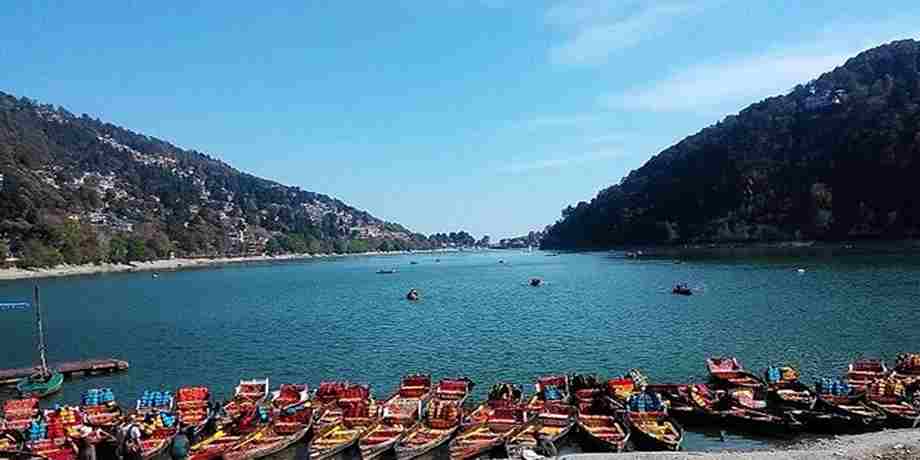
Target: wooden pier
(69, 369)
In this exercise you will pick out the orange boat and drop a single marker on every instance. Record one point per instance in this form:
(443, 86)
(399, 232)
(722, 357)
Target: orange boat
(500, 396)
(553, 422)
(553, 389)
(862, 372)
(192, 407)
(357, 418)
(600, 424)
(728, 371)
(400, 414)
(247, 395)
(505, 419)
(443, 419)
(290, 396)
(18, 413)
(888, 397)
(289, 426)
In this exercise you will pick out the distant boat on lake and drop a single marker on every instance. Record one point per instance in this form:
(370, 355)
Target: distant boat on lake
(385, 271)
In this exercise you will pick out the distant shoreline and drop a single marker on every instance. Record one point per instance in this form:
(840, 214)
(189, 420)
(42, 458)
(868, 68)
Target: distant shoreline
(753, 249)
(11, 274)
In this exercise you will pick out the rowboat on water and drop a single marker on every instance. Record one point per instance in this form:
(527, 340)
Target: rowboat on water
(749, 397)
(836, 396)
(215, 445)
(18, 413)
(443, 417)
(598, 422)
(760, 422)
(100, 408)
(501, 395)
(727, 371)
(504, 420)
(246, 395)
(649, 424)
(552, 389)
(400, 413)
(52, 435)
(289, 396)
(862, 372)
(288, 426)
(192, 407)
(786, 391)
(585, 388)
(154, 411)
(357, 418)
(888, 397)
(907, 367)
(336, 398)
(621, 388)
(680, 407)
(553, 422)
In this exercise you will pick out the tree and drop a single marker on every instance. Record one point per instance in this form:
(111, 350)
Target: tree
(36, 253)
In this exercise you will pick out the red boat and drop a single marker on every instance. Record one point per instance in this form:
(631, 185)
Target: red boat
(192, 407)
(333, 398)
(601, 425)
(728, 371)
(400, 414)
(551, 388)
(288, 427)
(290, 396)
(907, 367)
(888, 397)
(862, 372)
(504, 420)
(18, 413)
(500, 396)
(443, 420)
(554, 422)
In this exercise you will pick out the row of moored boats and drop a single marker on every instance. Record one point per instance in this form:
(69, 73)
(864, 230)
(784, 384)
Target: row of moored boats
(420, 416)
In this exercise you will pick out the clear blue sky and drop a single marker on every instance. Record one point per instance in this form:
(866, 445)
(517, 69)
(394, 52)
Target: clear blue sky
(483, 115)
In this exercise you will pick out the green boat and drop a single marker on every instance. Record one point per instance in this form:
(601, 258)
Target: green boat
(46, 381)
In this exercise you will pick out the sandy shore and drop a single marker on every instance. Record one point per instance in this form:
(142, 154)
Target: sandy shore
(176, 264)
(883, 445)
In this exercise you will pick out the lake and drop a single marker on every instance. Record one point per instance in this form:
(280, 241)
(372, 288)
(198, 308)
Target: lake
(337, 319)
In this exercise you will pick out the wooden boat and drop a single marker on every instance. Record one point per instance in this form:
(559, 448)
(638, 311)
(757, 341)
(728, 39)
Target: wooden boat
(154, 411)
(603, 429)
(681, 289)
(192, 407)
(649, 424)
(100, 408)
(551, 388)
(553, 422)
(290, 396)
(500, 396)
(18, 413)
(444, 415)
(400, 414)
(52, 449)
(336, 398)
(785, 391)
(840, 397)
(680, 407)
(907, 368)
(888, 397)
(749, 397)
(46, 381)
(505, 419)
(821, 421)
(334, 439)
(621, 388)
(728, 371)
(585, 388)
(215, 445)
(862, 372)
(289, 426)
(247, 395)
(760, 422)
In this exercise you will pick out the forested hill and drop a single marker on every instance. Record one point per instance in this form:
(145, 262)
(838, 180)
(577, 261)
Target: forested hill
(75, 189)
(836, 158)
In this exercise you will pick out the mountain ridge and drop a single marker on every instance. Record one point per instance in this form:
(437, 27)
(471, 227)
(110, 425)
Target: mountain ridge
(79, 190)
(833, 159)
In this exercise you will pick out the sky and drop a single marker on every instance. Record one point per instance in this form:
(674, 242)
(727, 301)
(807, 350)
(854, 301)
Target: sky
(488, 116)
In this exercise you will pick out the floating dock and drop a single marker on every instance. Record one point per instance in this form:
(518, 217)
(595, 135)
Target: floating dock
(69, 369)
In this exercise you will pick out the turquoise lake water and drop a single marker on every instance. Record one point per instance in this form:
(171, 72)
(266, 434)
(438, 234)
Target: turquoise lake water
(327, 319)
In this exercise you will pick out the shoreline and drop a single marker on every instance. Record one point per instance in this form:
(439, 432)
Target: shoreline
(900, 444)
(12, 274)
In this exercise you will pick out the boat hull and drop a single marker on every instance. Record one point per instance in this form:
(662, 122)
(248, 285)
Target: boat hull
(642, 439)
(31, 389)
(408, 453)
(268, 448)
